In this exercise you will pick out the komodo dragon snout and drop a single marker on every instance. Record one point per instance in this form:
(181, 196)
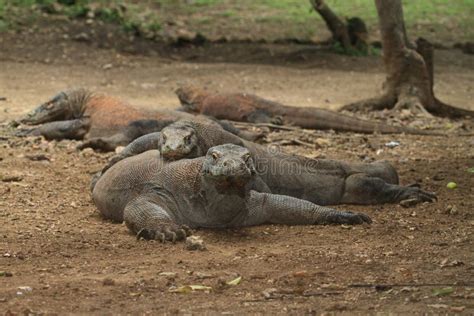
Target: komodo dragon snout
(53, 109)
(178, 143)
(228, 167)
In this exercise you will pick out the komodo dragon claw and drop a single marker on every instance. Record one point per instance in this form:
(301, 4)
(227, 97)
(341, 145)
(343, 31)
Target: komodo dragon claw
(350, 218)
(164, 233)
(414, 195)
(23, 132)
(277, 120)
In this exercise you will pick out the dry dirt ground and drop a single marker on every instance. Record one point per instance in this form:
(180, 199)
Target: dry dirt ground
(57, 255)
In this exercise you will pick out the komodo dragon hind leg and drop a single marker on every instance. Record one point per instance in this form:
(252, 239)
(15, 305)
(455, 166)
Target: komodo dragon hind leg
(70, 129)
(281, 209)
(150, 221)
(131, 132)
(363, 189)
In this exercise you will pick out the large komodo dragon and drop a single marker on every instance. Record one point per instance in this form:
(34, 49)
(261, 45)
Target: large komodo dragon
(321, 181)
(103, 121)
(160, 200)
(244, 107)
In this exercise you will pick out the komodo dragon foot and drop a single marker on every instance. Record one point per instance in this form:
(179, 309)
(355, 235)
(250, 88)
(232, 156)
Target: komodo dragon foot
(165, 232)
(348, 218)
(412, 195)
(24, 132)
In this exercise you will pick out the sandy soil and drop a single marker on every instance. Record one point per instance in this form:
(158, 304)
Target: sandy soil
(57, 255)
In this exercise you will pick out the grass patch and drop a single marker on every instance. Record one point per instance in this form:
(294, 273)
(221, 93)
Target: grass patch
(438, 20)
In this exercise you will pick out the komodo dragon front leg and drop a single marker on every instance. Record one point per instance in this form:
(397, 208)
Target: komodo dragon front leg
(150, 221)
(70, 129)
(281, 209)
(127, 135)
(138, 146)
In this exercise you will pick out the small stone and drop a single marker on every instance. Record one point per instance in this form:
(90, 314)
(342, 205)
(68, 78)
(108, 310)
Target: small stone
(119, 149)
(322, 142)
(107, 66)
(451, 209)
(300, 274)
(195, 243)
(25, 289)
(392, 144)
(82, 37)
(87, 152)
(269, 293)
(108, 282)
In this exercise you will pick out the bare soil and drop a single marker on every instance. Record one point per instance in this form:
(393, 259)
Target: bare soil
(64, 258)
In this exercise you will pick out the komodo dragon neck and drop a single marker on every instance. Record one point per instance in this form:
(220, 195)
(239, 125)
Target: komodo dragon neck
(78, 100)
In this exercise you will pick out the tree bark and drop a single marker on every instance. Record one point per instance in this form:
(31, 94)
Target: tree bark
(409, 69)
(351, 35)
(334, 23)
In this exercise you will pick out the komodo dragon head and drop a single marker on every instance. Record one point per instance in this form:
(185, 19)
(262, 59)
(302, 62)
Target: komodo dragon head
(178, 141)
(191, 98)
(229, 168)
(63, 106)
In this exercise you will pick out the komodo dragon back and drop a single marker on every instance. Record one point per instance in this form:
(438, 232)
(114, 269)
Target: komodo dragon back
(254, 109)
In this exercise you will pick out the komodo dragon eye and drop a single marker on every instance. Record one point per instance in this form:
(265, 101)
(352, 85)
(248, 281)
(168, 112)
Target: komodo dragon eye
(187, 139)
(215, 156)
(246, 157)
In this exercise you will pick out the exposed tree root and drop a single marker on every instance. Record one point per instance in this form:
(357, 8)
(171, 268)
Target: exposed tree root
(409, 67)
(373, 104)
(415, 106)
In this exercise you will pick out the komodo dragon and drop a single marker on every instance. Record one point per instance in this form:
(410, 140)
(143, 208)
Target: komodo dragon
(160, 200)
(321, 181)
(244, 107)
(104, 121)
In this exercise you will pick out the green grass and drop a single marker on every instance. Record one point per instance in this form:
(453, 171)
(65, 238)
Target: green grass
(438, 20)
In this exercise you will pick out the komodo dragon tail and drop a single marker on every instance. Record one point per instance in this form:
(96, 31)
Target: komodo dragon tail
(313, 118)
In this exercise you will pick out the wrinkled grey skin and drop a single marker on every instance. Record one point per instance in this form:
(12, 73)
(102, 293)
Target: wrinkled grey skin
(321, 181)
(162, 200)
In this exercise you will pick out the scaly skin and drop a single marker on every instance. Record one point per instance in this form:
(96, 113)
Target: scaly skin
(103, 121)
(253, 109)
(162, 200)
(321, 181)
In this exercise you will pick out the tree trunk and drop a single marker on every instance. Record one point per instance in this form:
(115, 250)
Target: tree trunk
(352, 35)
(409, 68)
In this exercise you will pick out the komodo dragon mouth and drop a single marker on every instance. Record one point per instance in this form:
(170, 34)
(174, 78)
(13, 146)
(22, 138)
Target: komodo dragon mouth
(229, 168)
